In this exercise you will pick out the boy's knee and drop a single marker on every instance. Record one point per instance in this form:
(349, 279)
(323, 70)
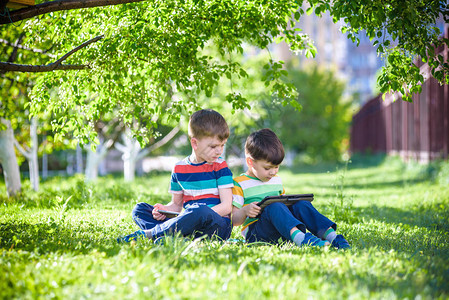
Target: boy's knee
(302, 204)
(200, 210)
(199, 214)
(140, 207)
(275, 206)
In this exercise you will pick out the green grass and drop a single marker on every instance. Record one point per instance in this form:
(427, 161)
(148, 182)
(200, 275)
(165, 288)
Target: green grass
(60, 243)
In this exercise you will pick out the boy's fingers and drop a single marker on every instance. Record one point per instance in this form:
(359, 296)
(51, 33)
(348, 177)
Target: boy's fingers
(158, 216)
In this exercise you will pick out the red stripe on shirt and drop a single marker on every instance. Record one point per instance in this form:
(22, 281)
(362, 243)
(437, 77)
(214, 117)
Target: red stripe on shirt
(200, 169)
(186, 198)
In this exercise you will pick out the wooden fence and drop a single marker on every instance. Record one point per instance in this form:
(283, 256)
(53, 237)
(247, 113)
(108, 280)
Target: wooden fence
(417, 130)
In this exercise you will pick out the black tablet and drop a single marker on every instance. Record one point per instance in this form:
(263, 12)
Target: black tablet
(286, 199)
(169, 214)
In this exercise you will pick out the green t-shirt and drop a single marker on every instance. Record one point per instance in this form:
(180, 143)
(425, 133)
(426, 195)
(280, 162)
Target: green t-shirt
(249, 189)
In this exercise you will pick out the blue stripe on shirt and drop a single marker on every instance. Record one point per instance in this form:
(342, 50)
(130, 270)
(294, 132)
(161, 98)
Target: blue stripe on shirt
(199, 185)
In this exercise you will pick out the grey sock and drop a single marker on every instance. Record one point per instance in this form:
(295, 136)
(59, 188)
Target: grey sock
(331, 236)
(298, 237)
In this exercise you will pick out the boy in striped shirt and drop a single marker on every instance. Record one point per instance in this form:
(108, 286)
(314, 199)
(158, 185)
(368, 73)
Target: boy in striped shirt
(201, 184)
(264, 153)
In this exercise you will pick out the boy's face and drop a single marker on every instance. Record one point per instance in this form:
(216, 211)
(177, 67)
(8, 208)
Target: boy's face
(261, 169)
(207, 148)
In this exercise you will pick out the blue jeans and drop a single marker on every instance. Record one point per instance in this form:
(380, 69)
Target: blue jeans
(277, 220)
(196, 220)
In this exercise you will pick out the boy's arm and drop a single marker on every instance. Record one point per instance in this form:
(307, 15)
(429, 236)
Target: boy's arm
(238, 201)
(225, 206)
(239, 215)
(177, 195)
(174, 205)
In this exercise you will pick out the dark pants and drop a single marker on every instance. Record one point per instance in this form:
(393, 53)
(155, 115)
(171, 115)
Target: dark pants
(277, 220)
(196, 221)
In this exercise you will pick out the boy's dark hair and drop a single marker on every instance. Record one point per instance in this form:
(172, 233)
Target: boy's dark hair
(208, 123)
(265, 145)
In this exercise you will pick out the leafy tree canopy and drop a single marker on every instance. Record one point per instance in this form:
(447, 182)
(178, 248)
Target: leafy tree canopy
(151, 52)
(155, 52)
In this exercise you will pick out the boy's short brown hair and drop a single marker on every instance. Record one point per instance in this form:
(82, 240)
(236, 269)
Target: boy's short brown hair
(265, 145)
(208, 123)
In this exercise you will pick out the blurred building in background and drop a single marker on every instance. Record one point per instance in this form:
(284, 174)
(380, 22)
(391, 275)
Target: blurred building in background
(356, 65)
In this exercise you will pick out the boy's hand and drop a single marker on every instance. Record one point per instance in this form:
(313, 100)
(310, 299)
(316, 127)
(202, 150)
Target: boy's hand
(252, 210)
(157, 215)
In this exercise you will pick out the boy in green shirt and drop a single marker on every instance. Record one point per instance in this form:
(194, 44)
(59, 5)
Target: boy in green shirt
(264, 153)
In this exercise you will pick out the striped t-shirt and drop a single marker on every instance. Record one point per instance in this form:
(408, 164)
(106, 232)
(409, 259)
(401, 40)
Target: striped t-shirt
(199, 183)
(249, 189)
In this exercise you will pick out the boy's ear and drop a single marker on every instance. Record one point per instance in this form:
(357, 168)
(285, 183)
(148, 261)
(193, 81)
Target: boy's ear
(249, 161)
(194, 143)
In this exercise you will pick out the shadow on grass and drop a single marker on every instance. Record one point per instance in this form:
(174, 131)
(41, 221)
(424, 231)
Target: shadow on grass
(46, 238)
(362, 277)
(432, 217)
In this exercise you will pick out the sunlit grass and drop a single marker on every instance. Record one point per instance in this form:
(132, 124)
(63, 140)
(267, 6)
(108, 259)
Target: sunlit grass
(60, 243)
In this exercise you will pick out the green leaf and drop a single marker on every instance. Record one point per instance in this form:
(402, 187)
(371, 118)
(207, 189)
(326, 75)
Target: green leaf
(297, 15)
(309, 11)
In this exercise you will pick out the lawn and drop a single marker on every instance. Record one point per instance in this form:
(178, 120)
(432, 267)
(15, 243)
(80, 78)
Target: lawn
(60, 243)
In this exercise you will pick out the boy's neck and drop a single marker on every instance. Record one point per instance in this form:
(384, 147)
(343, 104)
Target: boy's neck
(193, 158)
(250, 174)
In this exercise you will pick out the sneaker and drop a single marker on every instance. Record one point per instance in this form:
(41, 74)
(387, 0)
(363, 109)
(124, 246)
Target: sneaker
(131, 237)
(340, 242)
(311, 240)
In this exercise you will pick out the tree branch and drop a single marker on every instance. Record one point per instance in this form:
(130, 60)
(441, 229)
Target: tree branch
(13, 55)
(11, 67)
(22, 150)
(19, 46)
(120, 147)
(159, 143)
(59, 5)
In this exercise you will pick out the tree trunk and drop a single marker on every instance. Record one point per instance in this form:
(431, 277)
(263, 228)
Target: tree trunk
(79, 159)
(33, 161)
(44, 165)
(8, 160)
(31, 155)
(70, 169)
(130, 150)
(94, 159)
(129, 165)
(91, 172)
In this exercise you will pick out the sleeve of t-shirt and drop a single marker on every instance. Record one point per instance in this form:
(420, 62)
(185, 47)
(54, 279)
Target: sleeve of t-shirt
(224, 176)
(237, 195)
(175, 186)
